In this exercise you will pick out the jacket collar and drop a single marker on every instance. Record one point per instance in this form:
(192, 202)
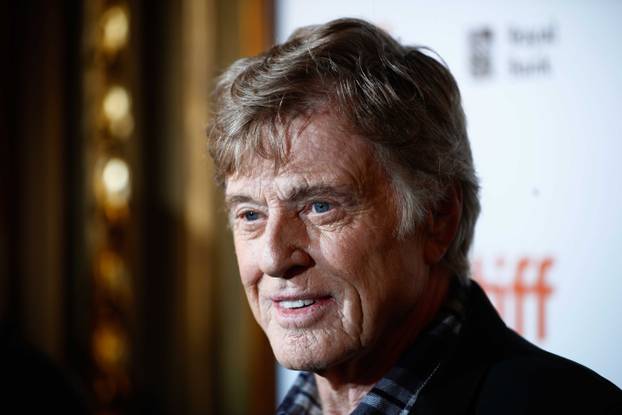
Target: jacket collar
(455, 388)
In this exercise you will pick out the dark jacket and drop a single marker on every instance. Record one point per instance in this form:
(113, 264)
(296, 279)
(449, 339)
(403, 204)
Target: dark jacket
(495, 371)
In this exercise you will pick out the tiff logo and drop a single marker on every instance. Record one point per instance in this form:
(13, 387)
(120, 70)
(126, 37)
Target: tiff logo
(518, 288)
(480, 46)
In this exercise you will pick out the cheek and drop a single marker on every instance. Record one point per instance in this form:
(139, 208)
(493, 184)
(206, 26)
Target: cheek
(250, 276)
(356, 275)
(247, 263)
(373, 273)
(359, 256)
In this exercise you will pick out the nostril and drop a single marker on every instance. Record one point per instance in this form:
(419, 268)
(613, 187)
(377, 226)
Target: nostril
(294, 270)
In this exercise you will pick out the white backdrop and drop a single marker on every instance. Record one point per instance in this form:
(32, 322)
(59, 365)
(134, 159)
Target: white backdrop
(542, 89)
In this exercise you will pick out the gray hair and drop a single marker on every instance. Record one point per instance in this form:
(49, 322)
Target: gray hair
(400, 98)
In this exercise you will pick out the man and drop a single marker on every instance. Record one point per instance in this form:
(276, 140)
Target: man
(352, 198)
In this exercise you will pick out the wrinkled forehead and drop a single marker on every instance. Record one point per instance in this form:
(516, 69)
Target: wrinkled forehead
(306, 142)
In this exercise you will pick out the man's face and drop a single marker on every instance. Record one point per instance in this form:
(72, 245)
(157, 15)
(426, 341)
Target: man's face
(323, 272)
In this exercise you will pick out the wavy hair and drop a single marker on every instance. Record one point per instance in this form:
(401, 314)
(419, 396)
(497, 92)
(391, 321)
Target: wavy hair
(400, 98)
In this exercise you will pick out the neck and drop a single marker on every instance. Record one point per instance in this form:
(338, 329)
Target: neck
(341, 388)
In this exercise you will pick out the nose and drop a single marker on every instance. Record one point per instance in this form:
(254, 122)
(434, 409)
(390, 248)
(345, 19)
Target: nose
(284, 252)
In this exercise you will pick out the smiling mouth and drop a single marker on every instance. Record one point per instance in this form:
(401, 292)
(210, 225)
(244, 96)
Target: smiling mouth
(296, 304)
(301, 311)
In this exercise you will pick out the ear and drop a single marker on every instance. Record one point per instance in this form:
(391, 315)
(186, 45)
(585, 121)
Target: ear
(442, 225)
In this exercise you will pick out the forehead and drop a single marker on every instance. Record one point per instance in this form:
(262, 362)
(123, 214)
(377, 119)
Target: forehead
(319, 150)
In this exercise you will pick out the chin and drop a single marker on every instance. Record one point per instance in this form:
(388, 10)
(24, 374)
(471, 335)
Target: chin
(308, 353)
(305, 365)
(298, 357)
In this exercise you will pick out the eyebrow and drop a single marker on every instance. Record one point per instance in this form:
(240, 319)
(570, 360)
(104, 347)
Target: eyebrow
(301, 193)
(298, 194)
(237, 199)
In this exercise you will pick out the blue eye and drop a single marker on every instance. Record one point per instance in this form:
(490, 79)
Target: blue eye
(250, 215)
(321, 207)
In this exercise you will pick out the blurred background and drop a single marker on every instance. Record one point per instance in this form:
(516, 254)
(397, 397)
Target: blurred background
(119, 291)
(115, 261)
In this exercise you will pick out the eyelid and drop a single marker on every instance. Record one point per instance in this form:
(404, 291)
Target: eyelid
(238, 211)
(334, 211)
(325, 202)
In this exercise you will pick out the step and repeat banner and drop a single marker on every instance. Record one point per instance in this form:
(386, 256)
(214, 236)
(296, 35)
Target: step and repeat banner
(542, 88)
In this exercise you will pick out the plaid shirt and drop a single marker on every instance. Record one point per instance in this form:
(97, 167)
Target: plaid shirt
(397, 392)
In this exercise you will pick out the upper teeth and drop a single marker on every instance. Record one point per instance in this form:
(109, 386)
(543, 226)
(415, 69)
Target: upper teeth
(296, 303)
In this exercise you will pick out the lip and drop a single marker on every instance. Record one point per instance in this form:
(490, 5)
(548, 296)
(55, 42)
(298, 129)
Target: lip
(303, 317)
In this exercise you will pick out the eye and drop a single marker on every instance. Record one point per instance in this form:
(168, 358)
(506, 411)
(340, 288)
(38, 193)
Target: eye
(320, 207)
(250, 215)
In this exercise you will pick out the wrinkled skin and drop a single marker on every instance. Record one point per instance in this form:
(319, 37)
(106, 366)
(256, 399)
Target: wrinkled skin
(322, 227)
